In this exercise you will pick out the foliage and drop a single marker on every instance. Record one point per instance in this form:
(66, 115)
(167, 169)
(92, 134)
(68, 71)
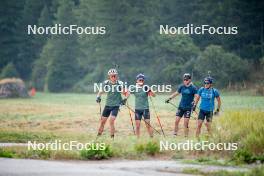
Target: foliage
(226, 68)
(97, 154)
(150, 148)
(63, 68)
(9, 71)
(132, 40)
(6, 154)
(246, 128)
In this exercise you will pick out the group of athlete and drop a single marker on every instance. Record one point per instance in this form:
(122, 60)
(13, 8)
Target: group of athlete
(190, 96)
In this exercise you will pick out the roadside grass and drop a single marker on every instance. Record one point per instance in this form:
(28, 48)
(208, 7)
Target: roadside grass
(48, 117)
(245, 127)
(257, 171)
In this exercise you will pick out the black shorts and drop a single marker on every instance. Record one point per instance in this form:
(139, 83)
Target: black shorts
(185, 112)
(208, 115)
(142, 112)
(113, 110)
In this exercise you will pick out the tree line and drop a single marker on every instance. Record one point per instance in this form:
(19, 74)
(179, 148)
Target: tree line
(60, 63)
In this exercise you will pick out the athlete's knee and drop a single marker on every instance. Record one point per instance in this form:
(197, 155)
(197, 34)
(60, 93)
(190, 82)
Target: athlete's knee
(207, 124)
(112, 121)
(186, 122)
(103, 120)
(177, 121)
(200, 124)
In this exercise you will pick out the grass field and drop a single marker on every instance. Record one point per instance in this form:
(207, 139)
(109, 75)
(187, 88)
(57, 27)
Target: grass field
(47, 117)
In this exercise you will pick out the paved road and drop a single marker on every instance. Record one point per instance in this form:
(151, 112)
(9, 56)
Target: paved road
(28, 167)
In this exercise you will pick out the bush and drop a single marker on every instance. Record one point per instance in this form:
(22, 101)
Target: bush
(150, 148)
(6, 154)
(97, 154)
(244, 156)
(9, 71)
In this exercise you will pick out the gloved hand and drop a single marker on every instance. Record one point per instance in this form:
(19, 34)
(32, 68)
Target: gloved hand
(168, 100)
(98, 99)
(216, 112)
(123, 102)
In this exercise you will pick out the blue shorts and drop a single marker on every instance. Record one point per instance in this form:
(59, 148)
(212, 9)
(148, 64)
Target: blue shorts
(142, 112)
(113, 110)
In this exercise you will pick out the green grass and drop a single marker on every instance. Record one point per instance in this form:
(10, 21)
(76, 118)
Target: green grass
(257, 171)
(47, 117)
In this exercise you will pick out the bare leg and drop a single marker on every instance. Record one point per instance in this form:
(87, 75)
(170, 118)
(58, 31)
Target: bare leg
(112, 126)
(150, 131)
(208, 126)
(138, 128)
(186, 127)
(176, 128)
(198, 129)
(102, 124)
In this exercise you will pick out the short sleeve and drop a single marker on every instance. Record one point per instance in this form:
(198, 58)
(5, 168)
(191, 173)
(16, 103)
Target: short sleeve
(179, 89)
(216, 93)
(200, 91)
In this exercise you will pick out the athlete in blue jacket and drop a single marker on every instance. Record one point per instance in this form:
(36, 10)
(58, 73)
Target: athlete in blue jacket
(207, 94)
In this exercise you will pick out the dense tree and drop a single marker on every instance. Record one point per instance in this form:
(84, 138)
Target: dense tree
(132, 41)
(226, 68)
(10, 13)
(9, 71)
(63, 68)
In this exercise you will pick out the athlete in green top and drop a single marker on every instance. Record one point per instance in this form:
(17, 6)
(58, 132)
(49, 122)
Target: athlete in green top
(114, 88)
(141, 93)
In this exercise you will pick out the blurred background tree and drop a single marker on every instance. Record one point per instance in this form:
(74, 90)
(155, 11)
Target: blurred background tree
(132, 40)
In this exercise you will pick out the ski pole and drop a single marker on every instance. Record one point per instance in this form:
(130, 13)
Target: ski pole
(157, 116)
(173, 105)
(191, 110)
(131, 120)
(100, 110)
(143, 119)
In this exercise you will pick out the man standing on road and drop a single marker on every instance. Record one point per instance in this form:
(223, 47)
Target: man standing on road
(113, 101)
(208, 95)
(188, 91)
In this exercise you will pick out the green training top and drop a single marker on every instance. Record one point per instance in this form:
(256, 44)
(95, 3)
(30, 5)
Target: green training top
(141, 98)
(113, 97)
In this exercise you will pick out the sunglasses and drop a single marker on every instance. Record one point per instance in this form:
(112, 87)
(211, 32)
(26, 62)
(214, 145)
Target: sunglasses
(206, 83)
(186, 80)
(113, 76)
